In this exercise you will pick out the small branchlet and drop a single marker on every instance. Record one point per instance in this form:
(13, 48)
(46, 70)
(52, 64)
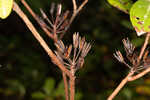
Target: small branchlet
(74, 60)
(132, 56)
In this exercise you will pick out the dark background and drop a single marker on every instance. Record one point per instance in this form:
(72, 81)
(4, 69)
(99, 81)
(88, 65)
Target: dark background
(26, 68)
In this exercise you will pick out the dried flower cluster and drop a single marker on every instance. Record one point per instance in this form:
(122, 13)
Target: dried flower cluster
(132, 56)
(58, 21)
(75, 60)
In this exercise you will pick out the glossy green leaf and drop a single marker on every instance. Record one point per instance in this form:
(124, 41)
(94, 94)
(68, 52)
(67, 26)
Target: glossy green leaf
(5, 8)
(123, 5)
(140, 16)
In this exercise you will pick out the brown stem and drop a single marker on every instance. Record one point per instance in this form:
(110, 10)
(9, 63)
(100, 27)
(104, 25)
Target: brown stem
(72, 88)
(120, 86)
(66, 86)
(37, 19)
(76, 10)
(144, 46)
(51, 36)
(40, 39)
(139, 75)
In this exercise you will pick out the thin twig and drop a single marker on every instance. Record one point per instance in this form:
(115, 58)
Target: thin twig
(37, 19)
(74, 5)
(120, 86)
(40, 39)
(129, 76)
(139, 75)
(76, 10)
(144, 46)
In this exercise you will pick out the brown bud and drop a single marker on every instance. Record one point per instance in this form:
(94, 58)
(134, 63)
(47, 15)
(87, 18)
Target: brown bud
(80, 63)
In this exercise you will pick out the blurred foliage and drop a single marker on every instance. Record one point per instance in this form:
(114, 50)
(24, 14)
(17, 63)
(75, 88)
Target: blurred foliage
(27, 73)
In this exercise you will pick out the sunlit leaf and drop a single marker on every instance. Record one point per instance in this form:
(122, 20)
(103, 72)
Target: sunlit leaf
(5, 8)
(123, 5)
(140, 16)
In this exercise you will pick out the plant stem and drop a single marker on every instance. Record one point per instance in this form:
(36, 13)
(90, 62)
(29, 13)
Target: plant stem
(144, 46)
(37, 19)
(72, 88)
(120, 86)
(66, 86)
(139, 75)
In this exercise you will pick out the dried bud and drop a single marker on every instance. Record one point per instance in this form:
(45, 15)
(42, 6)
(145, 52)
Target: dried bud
(81, 42)
(119, 56)
(75, 40)
(80, 63)
(128, 46)
(60, 46)
(52, 8)
(59, 7)
(68, 52)
(86, 49)
(43, 13)
(65, 15)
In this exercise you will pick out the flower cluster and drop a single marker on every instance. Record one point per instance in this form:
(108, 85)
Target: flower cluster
(58, 22)
(73, 55)
(132, 56)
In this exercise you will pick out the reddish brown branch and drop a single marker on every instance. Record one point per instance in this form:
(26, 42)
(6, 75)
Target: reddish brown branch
(40, 39)
(52, 37)
(144, 46)
(37, 19)
(129, 76)
(66, 86)
(76, 10)
(45, 46)
(139, 75)
(120, 86)
(72, 88)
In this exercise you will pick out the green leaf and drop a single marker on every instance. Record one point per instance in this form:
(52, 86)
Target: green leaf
(38, 95)
(123, 5)
(140, 16)
(49, 86)
(16, 86)
(60, 90)
(5, 8)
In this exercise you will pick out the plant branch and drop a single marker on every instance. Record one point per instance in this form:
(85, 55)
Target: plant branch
(139, 75)
(72, 88)
(40, 39)
(52, 37)
(76, 10)
(66, 86)
(144, 46)
(129, 77)
(120, 86)
(42, 25)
